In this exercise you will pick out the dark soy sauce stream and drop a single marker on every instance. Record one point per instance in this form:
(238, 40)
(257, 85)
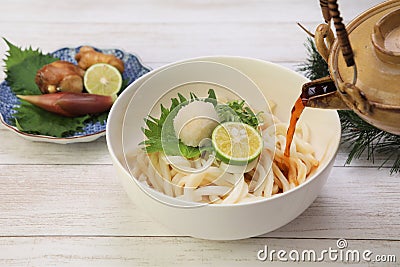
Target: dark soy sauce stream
(315, 89)
(296, 112)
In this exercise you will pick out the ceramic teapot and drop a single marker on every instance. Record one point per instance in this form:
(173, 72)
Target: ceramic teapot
(364, 65)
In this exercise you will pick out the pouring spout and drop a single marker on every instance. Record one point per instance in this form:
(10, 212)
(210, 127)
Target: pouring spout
(322, 93)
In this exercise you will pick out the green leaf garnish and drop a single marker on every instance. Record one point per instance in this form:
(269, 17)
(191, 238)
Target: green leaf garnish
(21, 68)
(34, 120)
(155, 128)
(236, 110)
(212, 98)
(163, 129)
(189, 151)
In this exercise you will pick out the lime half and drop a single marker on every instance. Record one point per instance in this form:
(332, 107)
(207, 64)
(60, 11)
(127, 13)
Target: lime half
(102, 79)
(236, 143)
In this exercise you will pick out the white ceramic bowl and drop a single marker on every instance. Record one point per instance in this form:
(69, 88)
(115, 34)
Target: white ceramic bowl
(236, 221)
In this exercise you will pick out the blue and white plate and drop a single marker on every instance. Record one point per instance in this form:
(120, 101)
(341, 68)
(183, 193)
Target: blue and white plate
(134, 68)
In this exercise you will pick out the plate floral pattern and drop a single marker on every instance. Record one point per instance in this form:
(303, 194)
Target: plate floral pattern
(134, 69)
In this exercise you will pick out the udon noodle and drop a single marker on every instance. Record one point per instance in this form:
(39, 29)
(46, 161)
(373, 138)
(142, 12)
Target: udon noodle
(273, 173)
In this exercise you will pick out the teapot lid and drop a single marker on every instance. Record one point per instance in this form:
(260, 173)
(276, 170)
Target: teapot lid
(375, 39)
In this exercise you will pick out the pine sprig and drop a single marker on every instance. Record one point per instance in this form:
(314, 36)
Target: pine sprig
(362, 137)
(315, 66)
(357, 134)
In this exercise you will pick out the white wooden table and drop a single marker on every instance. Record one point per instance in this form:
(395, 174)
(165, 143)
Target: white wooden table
(63, 205)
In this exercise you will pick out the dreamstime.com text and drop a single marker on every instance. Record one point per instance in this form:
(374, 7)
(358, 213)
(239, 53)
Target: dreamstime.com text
(340, 253)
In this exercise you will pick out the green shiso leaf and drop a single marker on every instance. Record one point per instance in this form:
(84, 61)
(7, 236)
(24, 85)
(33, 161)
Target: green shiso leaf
(34, 120)
(237, 111)
(21, 68)
(160, 133)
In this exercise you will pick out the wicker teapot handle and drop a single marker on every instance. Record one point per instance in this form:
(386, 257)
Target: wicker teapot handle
(341, 31)
(325, 10)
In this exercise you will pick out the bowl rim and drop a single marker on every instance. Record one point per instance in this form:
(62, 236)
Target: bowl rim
(334, 144)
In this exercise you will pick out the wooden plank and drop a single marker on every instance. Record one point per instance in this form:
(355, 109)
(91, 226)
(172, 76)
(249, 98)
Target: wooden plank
(353, 201)
(68, 200)
(17, 151)
(139, 11)
(89, 200)
(176, 251)
(379, 160)
(20, 151)
(162, 42)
